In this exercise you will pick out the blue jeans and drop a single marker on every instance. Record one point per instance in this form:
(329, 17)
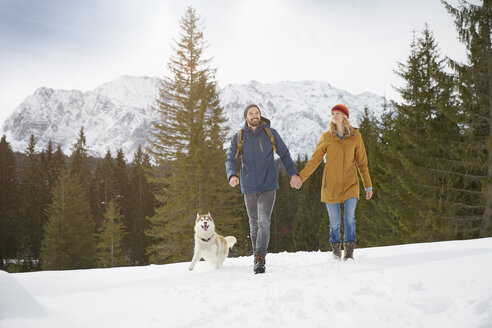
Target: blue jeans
(348, 220)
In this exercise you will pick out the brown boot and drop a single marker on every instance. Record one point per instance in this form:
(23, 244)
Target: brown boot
(337, 252)
(348, 250)
(259, 264)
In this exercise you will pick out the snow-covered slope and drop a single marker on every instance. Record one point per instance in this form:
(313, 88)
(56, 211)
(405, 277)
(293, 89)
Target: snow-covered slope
(119, 114)
(446, 284)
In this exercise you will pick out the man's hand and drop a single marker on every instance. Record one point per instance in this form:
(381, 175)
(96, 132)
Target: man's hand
(368, 194)
(233, 181)
(295, 181)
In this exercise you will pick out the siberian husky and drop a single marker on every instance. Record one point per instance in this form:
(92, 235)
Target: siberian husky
(208, 244)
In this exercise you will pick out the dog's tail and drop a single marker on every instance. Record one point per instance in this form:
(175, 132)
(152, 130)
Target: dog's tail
(231, 240)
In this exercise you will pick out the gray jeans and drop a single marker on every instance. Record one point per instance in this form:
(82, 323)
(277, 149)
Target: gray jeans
(259, 208)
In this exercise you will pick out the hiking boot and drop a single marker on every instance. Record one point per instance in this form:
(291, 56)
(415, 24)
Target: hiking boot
(259, 264)
(348, 250)
(337, 252)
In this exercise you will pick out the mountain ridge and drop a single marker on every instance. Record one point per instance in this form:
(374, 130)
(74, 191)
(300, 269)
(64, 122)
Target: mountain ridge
(119, 113)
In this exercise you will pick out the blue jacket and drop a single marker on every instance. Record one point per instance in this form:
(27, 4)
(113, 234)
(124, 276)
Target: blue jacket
(258, 172)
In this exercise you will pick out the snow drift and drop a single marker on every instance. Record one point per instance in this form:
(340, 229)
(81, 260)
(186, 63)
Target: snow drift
(445, 284)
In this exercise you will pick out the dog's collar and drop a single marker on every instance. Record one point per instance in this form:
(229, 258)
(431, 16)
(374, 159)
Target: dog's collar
(208, 239)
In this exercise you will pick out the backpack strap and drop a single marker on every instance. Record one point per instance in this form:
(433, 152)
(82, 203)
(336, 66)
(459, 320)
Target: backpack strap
(272, 139)
(240, 142)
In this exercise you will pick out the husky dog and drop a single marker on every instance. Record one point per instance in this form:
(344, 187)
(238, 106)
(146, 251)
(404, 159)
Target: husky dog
(208, 244)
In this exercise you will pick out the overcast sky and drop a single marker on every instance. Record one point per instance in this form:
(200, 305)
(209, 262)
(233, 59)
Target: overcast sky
(79, 44)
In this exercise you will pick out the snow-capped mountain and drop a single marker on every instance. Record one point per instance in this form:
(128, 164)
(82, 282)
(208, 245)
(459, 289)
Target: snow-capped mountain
(119, 114)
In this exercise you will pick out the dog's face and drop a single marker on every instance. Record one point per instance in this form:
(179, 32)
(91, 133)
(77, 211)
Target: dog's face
(204, 223)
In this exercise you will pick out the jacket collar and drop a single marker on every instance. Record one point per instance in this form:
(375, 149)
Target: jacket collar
(345, 136)
(264, 122)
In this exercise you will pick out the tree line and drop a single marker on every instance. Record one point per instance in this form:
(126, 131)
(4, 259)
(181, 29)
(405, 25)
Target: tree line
(60, 212)
(429, 156)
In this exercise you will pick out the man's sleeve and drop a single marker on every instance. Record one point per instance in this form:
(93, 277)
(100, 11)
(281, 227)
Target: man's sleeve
(284, 154)
(231, 161)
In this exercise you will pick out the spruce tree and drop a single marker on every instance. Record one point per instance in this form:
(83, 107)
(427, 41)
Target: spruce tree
(283, 214)
(414, 141)
(9, 214)
(110, 236)
(187, 146)
(102, 188)
(69, 241)
(32, 206)
(310, 211)
(80, 163)
(373, 226)
(51, 164)
(141, 199)
(474, 148)
(122, 192)
(106, 180)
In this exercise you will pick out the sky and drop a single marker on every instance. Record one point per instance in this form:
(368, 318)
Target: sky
(354, 45)
(443, 284)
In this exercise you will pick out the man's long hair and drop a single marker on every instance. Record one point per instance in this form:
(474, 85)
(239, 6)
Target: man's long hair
(348, 128)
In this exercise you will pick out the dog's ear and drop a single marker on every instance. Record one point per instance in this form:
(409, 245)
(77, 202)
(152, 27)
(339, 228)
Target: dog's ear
(209, 214)
(197, 215)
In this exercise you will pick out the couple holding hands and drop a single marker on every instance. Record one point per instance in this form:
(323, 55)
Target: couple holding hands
(344, 152)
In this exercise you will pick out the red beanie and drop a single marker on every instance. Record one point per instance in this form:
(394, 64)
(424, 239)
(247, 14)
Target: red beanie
(341, 108)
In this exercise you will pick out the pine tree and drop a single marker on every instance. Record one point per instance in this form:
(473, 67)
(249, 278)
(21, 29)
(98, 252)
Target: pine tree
(474, 149)
(102, 188)
(106, 180)
(52, 163)
(187, 145)
(33, 206)
(283, 214)
(9, 222)
(310, 211)
(413, 138)
(141, 198)
(69, 241)
(110, 236)
(80, 163)
(121, 180)
(373, 226)
(122, 192)
(59, 163)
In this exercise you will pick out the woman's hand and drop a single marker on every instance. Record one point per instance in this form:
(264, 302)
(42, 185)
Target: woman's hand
(368, 194)
(295, 181)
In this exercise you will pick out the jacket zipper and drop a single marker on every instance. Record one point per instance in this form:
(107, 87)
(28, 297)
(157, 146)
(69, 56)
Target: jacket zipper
(261, 146)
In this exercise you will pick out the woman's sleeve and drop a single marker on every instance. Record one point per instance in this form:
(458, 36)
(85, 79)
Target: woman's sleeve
(361, 160)
(315, 159)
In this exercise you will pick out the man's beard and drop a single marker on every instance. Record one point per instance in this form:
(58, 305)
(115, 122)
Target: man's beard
(254, 122)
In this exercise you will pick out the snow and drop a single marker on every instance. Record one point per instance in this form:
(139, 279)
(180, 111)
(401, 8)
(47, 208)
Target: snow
(444, 284)
(119, 114)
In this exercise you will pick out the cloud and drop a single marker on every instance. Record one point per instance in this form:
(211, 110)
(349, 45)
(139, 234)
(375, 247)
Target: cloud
(353, 45)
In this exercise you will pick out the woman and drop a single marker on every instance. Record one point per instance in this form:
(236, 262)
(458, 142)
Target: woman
(345, 152)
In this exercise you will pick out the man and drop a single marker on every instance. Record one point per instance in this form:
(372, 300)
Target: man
(255, 144)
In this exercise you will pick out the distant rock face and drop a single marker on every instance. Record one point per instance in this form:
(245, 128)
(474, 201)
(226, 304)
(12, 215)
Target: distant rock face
(119, 114)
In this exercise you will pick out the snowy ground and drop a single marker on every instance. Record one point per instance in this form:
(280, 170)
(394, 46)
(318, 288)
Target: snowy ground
(447, 284)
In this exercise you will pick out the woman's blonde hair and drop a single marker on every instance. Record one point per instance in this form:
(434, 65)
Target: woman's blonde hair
(347, 127)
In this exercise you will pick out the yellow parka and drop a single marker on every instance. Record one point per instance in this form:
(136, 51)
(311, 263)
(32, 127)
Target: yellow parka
(343, 157)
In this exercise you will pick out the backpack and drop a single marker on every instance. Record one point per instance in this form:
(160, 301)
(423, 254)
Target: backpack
(240, 141)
